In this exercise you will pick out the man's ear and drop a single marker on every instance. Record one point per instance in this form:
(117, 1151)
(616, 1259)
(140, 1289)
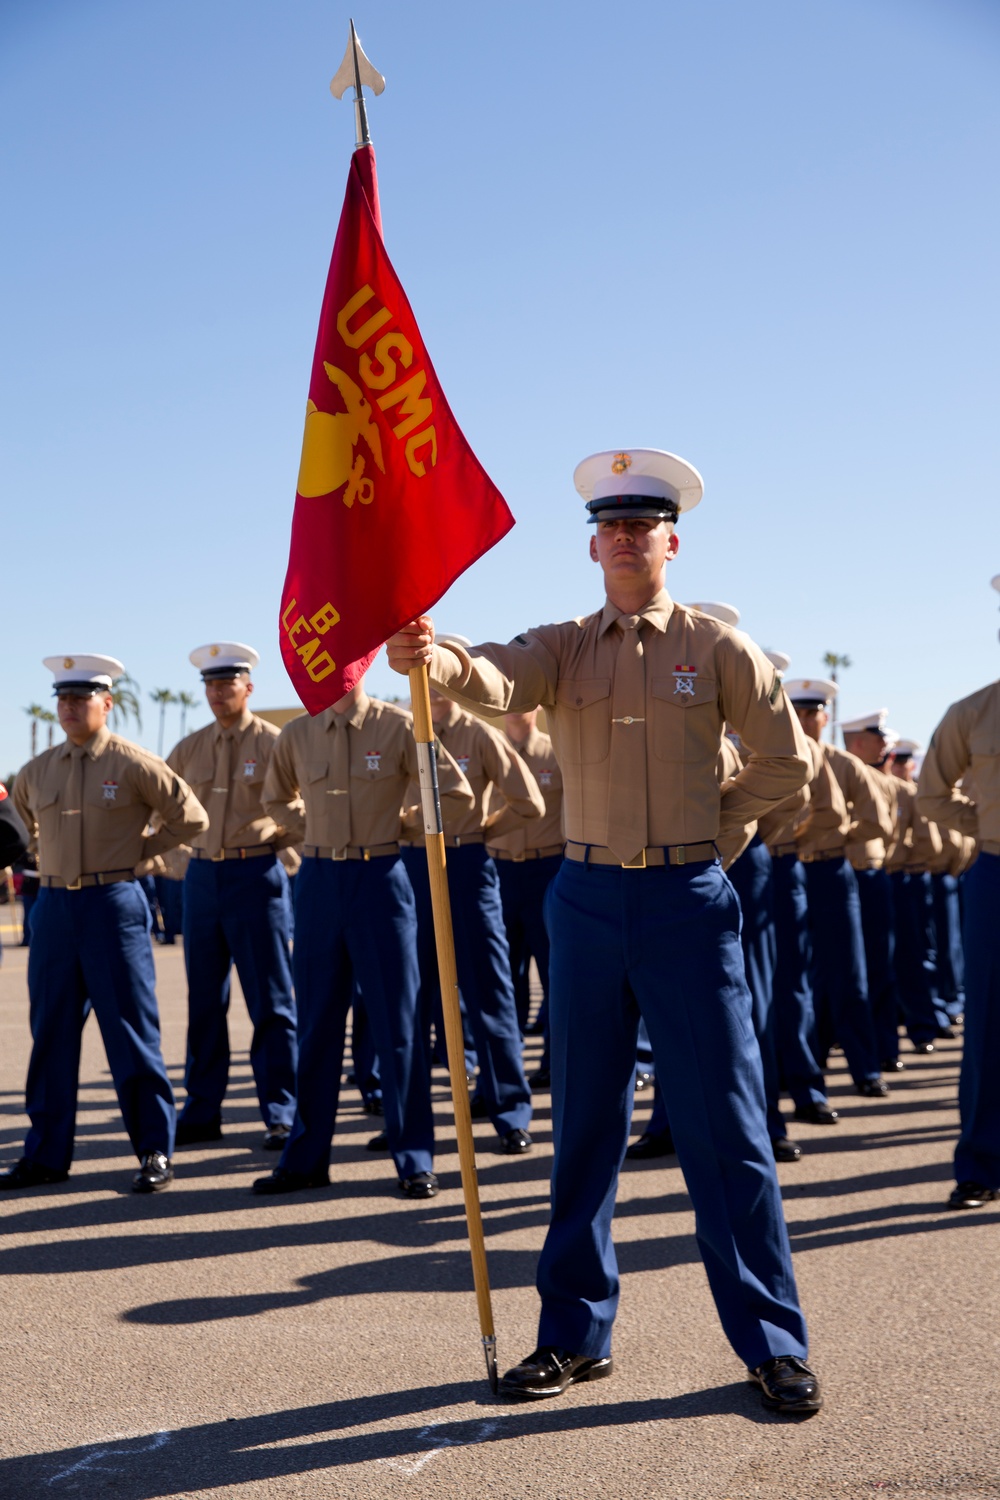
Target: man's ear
(673, 545)
(249, 686)
(593, 548)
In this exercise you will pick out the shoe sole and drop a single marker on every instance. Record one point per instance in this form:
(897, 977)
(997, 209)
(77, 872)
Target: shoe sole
(595, 1372)
(151, 1187)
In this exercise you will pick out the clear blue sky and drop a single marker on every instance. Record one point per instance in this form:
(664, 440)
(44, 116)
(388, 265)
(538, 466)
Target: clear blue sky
(761, 235)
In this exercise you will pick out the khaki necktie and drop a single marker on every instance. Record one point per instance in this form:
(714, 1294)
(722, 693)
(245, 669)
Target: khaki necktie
(220, 796)
(71, 850)
(339, 790)
(627, 770)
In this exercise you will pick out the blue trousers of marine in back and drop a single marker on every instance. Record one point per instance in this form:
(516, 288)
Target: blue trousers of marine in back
(663, 942)
(879, 932)
(948, 930)
(483, 962)
(523, 884)
(752, 881)
(92, 948)
(236, 911)
(794, 1018)
(977, 1155)
(170, 898)
(415, 861)
(357, 918)
(916, 960)
(839, 975)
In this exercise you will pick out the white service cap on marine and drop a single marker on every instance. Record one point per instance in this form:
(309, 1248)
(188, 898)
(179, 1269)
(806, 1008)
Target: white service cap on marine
(905, 749)
(637, 482)
(811, 692)
(224, 659)
(891, 737)
(726, 614)
(875, 721)
(780, 660)
(83, 675)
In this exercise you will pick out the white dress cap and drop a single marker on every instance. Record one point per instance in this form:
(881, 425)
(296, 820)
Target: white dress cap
(726, 614)
(95, 672)
(780, 660)
(906, 748)
(224, 659)
(815, 690)
(452, 640)
(637, 482)
(875, 720)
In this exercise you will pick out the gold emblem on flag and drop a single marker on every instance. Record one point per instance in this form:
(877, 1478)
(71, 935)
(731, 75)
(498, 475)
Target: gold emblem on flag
(620, 463)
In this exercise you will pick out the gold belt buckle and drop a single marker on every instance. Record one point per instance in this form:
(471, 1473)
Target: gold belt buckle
(639, 863)
(681, 854)
(217, 858)
(75, 885)
(339, 857)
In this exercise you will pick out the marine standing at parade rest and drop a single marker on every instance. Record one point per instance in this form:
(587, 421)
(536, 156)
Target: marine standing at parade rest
(236, 906)
(817, 806)
(964, 749)
(918, 844)
(487, 760)
(527, 857)
(88, 802)
(354, 918)
(867, 738)
(643, 920)
(839, 974)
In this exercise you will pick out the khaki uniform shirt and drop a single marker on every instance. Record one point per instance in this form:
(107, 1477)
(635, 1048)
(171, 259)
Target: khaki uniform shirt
(382, 759)
(918, 841)
(865, 812)
(957, 851)
(533, 833)
(569, 670)
(812, 809)
(486, 758)
(195, 758)
(871, 854)
(123, 787)
(966, 747)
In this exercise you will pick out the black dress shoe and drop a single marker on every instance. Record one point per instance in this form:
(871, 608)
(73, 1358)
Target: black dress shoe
(652, 1143)
(373, 1105)
(154, 1175)
(972, 1195)
(873, 1088)
(478, 1108)
(421, 1185)
(946, 1033)
(27, 1173)
(276, 1137)
(785, 1150)
(282, 1180)
(788, 1386)
(816, 1114)
(515, 1142)
(192, 1132)
(893, 1065)
(549, 1371)
(540, 1080)
(923, 1049)
(378, 1142)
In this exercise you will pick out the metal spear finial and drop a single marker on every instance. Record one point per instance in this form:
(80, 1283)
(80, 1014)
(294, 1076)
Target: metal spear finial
(354, 71)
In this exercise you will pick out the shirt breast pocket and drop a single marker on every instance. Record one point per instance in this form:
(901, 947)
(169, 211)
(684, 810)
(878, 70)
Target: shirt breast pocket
(583, 713)
(201, 774)
(687, 724)
(109, 796)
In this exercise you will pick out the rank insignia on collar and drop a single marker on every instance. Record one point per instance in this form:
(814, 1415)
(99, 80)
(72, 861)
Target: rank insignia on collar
(110, 790)
(685, 676)
(249, 767)
(373, 759)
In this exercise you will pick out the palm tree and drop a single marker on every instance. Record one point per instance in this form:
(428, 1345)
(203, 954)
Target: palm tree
(833, 661)
(35, 713)
(186, 700)
(125, 700)
(48, 717)
(162, 696)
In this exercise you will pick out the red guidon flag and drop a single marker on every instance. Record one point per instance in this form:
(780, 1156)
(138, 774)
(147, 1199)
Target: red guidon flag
(392, 503)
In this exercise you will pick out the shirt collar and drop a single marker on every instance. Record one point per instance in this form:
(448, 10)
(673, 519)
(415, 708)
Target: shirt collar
(355, 718)
(657, 613)
(94, 747)
(235, 730)
(450, 719)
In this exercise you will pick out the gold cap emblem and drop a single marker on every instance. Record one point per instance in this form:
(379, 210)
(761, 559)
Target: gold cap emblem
(620, 463)
(68, 662)
(213, 650)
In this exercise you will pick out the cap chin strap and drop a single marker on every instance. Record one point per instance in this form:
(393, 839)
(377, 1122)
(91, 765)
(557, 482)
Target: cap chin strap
(642, 507)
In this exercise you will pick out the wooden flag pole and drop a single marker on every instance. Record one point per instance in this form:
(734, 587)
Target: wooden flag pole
(423, 729)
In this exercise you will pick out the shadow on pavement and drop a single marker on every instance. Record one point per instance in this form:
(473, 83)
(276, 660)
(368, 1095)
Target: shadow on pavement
(236, 1452)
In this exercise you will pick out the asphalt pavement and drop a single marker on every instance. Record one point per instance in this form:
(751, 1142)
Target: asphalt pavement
(204, 1342)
